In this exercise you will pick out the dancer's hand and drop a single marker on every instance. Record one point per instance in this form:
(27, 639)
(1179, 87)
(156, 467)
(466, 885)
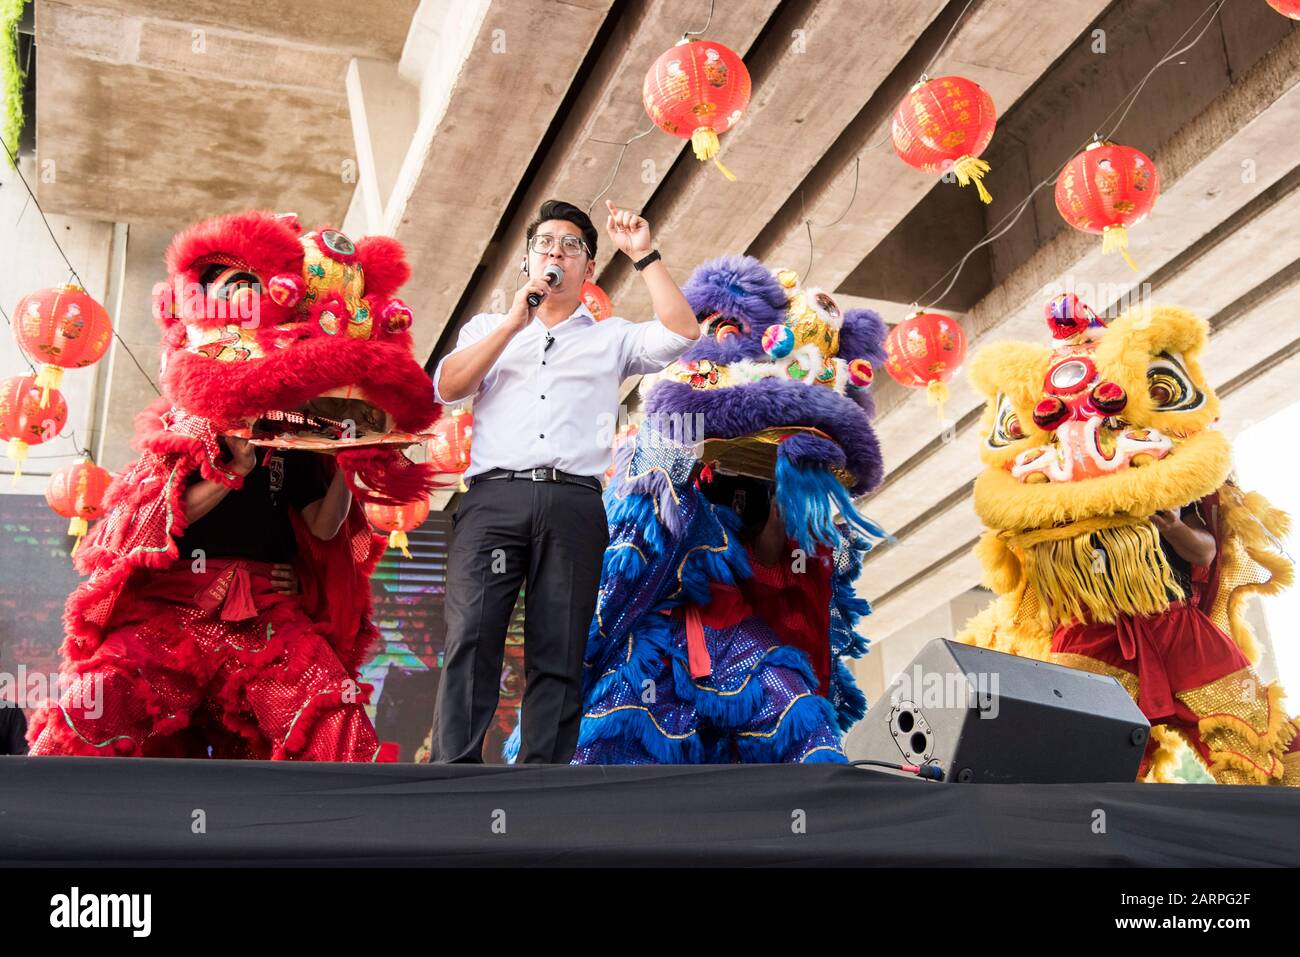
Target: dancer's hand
(284, 579)
(1165, 521)
(243, 454)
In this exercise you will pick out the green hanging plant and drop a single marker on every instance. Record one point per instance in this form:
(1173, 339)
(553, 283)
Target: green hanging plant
(11, 76)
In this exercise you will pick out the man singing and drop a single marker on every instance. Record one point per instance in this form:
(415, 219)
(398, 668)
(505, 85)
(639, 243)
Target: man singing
(545, 384)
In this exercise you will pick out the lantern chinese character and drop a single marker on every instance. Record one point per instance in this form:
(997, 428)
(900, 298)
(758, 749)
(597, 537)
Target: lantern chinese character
(925, 350)
(23, 419)
(695, 91)
(64, 328)
(397, 520)
(77, 493)
(1106, 189)
(945, 124)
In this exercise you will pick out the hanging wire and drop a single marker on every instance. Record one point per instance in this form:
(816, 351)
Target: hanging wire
(1017, 211)
(22, 352)
(857, 160)
(944, 45)
(72, 270)
(696, 33)
(617, 163)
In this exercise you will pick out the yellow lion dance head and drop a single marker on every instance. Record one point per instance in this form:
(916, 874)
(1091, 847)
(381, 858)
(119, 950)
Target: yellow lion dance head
(1083, 442)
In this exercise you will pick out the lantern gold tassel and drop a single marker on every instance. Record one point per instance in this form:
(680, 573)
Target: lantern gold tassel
(972, 169)
(17, 453)
(49, 377)
(397, 539)
(705, 142)
(77, 527)
(936, 393)
(1114, 239)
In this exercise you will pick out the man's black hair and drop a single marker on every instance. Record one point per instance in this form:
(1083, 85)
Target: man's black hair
(558, 209)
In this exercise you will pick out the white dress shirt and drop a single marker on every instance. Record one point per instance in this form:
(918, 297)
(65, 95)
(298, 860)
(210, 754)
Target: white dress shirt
(557, 405)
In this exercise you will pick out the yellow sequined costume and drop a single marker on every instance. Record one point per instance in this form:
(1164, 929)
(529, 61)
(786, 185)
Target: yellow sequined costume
(1083, 444)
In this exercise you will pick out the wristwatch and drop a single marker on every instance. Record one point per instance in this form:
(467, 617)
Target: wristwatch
(642, 263)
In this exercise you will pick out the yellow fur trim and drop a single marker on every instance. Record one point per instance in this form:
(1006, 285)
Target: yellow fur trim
(1168, 755)
(1011, 625)
(1223, 763)
(1250, 523)
(1015, 369)
(1278, 730)
(1137, 337)
(1194, 469)
(1001, 564)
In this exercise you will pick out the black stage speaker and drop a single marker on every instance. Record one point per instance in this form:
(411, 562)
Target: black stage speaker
(991, 718)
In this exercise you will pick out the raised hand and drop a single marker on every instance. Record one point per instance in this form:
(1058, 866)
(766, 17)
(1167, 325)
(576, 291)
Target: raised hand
(628, 231)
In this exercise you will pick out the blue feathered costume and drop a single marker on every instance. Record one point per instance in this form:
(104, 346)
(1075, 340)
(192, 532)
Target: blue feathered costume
(697, 654)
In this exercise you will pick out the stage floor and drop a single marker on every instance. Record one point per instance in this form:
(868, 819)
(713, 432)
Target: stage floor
(90, 811)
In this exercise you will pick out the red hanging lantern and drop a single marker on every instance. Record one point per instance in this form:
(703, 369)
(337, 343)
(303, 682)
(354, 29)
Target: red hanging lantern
(1288, 8)
(450, 442)
(621, 438)
(596, 301)
(77, 493)
(397, 520)
(24, 421)
(64, 328)
(695, 91)
(1106, 189)
(925, 350)
(945, 124)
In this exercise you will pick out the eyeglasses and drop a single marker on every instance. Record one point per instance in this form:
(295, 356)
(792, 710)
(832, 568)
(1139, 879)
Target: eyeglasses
(570, 246)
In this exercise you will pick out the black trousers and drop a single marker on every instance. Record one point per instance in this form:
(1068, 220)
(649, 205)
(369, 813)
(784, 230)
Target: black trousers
(549, 537)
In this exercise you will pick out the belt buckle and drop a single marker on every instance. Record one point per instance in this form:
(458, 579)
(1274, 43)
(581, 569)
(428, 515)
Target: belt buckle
(539, 475)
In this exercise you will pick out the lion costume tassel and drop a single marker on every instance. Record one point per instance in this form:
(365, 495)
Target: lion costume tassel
(1102, 470)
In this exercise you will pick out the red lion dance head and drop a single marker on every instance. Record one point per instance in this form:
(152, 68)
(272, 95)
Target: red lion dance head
(296, 339)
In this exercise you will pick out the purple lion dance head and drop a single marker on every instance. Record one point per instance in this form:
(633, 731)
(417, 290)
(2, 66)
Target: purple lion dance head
(777, 388)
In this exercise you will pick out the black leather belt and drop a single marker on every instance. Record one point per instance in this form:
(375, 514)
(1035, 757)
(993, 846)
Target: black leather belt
(540, 475)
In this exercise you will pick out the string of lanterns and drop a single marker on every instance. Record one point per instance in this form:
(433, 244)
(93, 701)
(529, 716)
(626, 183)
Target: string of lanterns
(696, 90)
(62, 328)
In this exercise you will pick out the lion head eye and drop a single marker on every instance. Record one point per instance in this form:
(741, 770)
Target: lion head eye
(1171, 387)
(1006, 424)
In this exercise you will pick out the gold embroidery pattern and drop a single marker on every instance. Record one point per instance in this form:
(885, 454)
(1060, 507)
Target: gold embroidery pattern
(1084, 663)
(636, 707)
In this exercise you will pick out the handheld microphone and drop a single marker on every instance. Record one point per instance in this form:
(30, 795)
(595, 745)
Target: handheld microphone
(554, 275)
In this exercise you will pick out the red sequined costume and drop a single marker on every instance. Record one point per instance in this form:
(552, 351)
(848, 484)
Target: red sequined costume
(171, 657)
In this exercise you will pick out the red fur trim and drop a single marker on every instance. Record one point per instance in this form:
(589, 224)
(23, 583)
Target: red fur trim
(230, 393)
(269, 245)
(383, 263)
(313, 711)
(385, 476)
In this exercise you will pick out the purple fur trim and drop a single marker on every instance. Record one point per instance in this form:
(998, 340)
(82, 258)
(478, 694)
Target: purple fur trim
(742, 288)
(770, 403)
(805, 450)
(862, 336)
